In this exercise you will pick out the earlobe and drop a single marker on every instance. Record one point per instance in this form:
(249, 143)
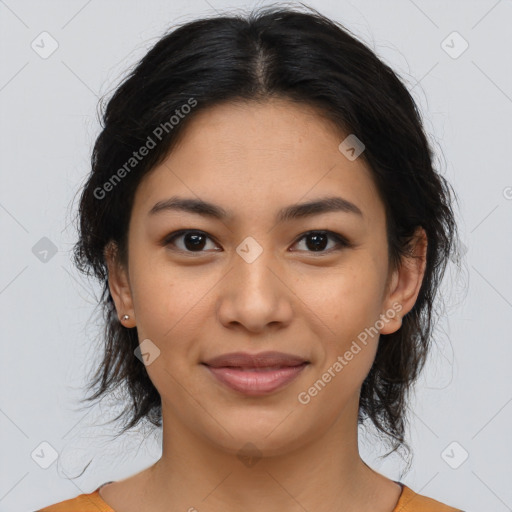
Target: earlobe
(406, 283)
(119, 285)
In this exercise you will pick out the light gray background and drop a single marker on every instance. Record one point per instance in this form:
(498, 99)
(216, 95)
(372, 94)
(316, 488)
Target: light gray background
(48, 125)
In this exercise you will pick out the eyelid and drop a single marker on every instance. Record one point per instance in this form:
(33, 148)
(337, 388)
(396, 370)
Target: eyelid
(168, 239)
(340, 240)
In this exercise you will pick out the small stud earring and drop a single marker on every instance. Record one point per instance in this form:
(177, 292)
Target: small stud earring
(126, 317)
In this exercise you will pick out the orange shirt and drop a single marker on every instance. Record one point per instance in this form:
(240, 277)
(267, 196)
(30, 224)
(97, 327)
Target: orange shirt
(409, 501)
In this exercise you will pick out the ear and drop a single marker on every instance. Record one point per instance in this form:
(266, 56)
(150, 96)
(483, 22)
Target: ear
(119, 285)
(405, 283)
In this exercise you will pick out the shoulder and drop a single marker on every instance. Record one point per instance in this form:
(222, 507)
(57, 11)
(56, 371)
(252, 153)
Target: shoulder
(411, 501)
(91, 502)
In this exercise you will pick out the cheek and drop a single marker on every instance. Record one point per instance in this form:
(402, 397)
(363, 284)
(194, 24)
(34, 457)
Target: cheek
(171, 306)
(348, 299)
(167, 308)
(348, 306)
(158, 297)
(347, 303)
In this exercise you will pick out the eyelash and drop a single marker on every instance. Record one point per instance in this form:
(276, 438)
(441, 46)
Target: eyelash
(341, 241)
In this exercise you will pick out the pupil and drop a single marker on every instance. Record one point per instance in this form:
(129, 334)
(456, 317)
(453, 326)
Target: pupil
(316, 245)
(196, 242)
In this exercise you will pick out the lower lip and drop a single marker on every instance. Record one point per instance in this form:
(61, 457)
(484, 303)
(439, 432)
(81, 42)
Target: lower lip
(253, 382)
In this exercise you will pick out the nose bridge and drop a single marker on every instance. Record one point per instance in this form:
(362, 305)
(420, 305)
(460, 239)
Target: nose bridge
(252, 264)
(254, 296)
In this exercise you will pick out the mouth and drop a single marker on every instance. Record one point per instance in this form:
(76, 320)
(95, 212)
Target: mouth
(257, 374)
(259, 360)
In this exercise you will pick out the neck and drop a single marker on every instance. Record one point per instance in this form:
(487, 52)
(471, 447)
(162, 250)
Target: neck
(325, 474)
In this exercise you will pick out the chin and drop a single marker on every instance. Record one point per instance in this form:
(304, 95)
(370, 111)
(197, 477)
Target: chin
(254, 436)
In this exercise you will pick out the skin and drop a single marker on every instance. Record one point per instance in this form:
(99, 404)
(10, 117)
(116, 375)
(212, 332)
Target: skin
(253, 159)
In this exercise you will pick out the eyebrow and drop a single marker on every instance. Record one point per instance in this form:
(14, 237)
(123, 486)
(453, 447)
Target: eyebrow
(292, 212)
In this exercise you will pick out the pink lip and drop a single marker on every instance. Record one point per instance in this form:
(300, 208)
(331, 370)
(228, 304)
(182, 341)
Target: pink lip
(259, 360)
(256, 381)
(256, 374)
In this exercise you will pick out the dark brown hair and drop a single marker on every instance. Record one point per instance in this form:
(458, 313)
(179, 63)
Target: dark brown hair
(309, 59)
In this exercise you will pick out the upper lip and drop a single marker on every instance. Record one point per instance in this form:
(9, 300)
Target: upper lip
(260, 360)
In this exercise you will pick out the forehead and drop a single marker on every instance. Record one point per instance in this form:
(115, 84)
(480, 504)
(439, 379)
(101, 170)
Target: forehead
(249, 154)
(246, 128)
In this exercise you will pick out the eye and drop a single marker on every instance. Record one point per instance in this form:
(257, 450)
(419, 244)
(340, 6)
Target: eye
(316, 241)
(194, 241)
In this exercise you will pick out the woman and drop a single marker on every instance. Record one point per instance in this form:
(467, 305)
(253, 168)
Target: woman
(270, 232)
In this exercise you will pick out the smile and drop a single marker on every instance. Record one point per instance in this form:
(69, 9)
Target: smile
(256, 381)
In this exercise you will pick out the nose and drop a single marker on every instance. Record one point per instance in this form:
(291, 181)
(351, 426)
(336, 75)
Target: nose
(255, 295)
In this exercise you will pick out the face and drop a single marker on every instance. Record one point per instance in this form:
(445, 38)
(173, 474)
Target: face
(314, 283)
